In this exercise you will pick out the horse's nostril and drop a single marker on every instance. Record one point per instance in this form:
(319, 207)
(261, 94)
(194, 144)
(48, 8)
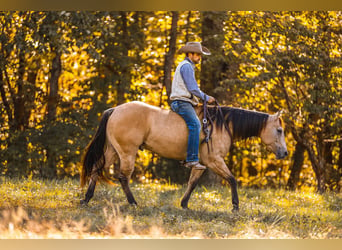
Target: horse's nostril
(286, 153)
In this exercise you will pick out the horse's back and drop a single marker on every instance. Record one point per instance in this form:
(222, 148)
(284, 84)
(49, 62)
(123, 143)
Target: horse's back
(130, 121)
(137, 124)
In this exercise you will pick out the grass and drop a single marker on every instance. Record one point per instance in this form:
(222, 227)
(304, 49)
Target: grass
(50, 209)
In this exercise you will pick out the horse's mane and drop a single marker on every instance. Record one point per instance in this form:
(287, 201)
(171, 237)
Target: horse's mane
(245, 123)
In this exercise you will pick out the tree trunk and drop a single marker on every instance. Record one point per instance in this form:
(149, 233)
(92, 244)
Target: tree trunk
(213, 66)
(50, 171)
(125, 76)
(30, 94)
(169, 57)
(187, 27)
(298, 159)
(55, 73)
(317, 163)
(19, 100)
(316, 158)
(339, 164)
(4, 99)
(333, 175)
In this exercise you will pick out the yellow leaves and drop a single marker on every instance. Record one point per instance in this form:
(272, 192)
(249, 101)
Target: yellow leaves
(335, 52)
(97, 33)
(235, 53)
(321, 121)
(144, 158)
(77, 69)
(236, 40)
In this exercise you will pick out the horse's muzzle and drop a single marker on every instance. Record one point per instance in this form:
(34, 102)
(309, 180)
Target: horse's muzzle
(281, 154)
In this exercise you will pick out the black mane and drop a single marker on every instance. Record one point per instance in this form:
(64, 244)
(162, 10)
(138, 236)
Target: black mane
(245, 123)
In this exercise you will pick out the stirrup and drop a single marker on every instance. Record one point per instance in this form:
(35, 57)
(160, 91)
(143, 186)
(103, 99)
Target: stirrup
(195, 165)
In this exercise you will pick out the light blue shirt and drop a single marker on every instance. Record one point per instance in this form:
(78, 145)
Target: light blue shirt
(188, 74)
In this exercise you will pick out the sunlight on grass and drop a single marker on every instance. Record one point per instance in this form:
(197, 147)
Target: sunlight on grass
(50, 209)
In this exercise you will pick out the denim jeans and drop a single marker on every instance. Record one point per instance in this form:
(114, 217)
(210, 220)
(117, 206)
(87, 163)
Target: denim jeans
(185, 110)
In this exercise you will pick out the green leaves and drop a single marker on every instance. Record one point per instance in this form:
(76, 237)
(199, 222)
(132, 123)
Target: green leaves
(261, 60)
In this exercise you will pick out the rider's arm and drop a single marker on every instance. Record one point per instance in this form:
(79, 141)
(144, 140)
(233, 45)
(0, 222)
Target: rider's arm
(188, 75)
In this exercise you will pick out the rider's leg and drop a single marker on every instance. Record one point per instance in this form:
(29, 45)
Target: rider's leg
(187, 112)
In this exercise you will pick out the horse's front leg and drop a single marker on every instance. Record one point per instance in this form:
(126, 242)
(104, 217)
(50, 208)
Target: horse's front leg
(219, 167)
(193, 180)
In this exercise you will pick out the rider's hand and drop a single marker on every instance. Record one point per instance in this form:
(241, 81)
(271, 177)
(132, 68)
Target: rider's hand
(211, 99)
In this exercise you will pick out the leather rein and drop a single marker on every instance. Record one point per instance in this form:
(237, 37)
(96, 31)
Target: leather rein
(207, 121)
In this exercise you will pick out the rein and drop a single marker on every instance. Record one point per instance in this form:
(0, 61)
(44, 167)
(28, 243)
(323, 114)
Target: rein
(208, 121)
(205, 122)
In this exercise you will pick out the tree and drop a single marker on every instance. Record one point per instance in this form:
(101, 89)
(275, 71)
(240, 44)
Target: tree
(213, 67)
(17, 82)
(59, 70)
(305, 72)
(169, 56)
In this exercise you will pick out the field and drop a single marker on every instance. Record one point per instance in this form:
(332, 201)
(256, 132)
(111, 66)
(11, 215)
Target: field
(50, 209)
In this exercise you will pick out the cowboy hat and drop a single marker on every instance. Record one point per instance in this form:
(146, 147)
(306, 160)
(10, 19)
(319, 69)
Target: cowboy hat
(194, 47)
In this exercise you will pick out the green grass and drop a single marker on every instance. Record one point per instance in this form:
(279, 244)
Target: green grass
(50, 209)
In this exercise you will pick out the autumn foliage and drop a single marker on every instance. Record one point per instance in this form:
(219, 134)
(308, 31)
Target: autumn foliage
(60, 70)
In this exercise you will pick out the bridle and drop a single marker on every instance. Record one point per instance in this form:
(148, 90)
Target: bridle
(208, 121)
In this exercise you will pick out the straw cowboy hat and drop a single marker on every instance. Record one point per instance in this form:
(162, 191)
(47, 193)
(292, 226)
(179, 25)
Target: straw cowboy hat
(194, 47)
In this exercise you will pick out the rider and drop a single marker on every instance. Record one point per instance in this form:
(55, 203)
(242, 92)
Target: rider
(184, 96)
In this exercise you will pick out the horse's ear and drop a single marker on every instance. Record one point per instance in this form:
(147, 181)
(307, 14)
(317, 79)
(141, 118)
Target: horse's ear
(279, 113)
(278, 117)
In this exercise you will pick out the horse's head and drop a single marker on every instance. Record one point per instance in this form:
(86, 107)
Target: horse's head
(273, 136)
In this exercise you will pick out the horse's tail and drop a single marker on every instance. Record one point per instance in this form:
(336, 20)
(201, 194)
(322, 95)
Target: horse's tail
(94, 155)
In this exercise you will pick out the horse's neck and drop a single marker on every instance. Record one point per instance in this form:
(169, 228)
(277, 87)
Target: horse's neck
(248, 123)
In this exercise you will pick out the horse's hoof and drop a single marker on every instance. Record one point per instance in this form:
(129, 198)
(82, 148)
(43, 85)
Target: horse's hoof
(185, 206)
(235, 210)
(83, 202)
(133, 204)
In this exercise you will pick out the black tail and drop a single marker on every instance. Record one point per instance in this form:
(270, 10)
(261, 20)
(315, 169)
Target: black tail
(94, 155)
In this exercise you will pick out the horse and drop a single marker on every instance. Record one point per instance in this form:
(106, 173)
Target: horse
(133, 125)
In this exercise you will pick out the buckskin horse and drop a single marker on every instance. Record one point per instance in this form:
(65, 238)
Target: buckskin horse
(127, 127)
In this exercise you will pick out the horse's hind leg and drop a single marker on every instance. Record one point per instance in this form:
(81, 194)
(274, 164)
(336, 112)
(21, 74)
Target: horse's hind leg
(126, 170)
(109, 157)
(91, 188)
(193, 180)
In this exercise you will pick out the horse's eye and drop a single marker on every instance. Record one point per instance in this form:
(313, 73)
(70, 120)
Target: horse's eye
(279, 130)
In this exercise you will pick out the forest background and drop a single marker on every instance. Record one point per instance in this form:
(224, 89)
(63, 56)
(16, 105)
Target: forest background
(60, 70)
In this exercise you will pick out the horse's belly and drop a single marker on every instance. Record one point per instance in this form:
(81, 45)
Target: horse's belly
(168, 137)
(168, 151)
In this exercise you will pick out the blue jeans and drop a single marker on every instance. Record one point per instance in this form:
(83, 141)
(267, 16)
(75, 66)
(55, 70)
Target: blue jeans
(185, 110)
